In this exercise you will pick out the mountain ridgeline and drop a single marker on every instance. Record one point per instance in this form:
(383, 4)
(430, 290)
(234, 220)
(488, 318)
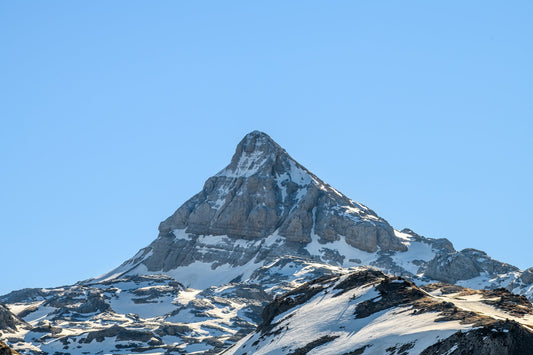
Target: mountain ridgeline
(249, 261)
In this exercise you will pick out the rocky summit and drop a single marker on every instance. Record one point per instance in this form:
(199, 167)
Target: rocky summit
(262, 203)
(234, 268)
(263, 190)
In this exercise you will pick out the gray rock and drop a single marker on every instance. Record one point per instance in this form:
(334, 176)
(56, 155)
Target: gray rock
(527, 276)
(25, 294)
(10, 322)
(172, 329)
(437, 243)
(262, 190)
(466, 264)
(121, 333)
(500, 338)
(95, 303)
(487, 264)
(451, 267)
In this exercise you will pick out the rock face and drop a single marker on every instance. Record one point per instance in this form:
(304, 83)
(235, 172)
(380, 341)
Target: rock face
(500, 338)
(8, 321)
(527, 276)
(263, 190)
(466, 264)
(263, 193)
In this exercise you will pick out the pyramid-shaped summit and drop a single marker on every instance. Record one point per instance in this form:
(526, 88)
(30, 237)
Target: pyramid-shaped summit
(262, 205)
(264, 190)
(255, 154)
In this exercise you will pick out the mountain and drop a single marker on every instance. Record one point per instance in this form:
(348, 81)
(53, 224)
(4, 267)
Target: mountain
(261, 227)
(261, 206)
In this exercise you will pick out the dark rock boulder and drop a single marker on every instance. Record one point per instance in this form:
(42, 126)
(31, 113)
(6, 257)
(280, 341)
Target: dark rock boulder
(500, 338)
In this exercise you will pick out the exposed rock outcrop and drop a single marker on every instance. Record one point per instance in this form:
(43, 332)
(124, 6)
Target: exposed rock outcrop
(10, 322)
(463, 265)
(499, 338)
(527, 276)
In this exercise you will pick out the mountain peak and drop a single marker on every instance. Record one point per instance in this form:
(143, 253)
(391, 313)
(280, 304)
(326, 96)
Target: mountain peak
(265, 192)
(252, 153)
(257, 141)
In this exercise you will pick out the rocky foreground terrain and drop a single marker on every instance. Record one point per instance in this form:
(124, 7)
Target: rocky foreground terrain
(366, 311)
(266, 232)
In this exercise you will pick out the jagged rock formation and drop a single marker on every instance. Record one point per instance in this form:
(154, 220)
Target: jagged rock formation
(526, 277)
(8, 321)
(264, 190)
(466, 264)
(261, 227)
(10, 325)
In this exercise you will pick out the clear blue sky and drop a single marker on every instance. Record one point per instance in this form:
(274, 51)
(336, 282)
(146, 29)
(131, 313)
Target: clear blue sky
(113, 113)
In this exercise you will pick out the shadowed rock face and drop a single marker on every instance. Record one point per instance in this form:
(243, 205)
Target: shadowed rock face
(264, 190)
(527, 276)
(463, 265)
(8, 321)
(500, 338)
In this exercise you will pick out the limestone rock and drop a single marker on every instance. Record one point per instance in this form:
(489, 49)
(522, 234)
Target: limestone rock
(466, 264)
(264, 190)
(527, 276)
(8, 321)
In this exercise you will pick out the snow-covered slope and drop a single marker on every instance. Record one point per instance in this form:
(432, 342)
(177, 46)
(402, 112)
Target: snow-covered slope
(367, 312)
(261, 227)
(151, 313)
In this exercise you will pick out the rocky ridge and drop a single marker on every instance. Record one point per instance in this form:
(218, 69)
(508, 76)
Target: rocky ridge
(366, 311)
